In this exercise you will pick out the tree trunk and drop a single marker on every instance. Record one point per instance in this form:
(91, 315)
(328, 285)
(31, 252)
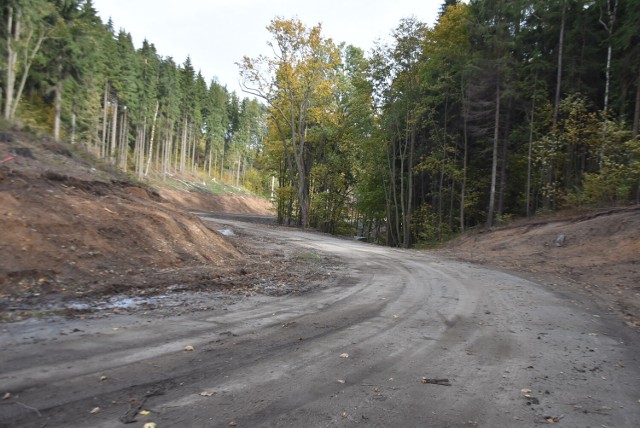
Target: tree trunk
(12, 60)
(494, 162)
(123, 151)
(57, 110)
(183, 147)
(222, 163)
(139, 149)
(503, 161)
(153, 132)
(636, 113)
(104, 119)
(528, 188)
(611, 14)
(28, 61)
(114, 129)
(408, 211)
(73, 127)
(209, 170)
(194, 158)
(464, 158)
(238, 173)
(556, 103)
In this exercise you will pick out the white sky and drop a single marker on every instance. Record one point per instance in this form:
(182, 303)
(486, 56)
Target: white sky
(217, 34)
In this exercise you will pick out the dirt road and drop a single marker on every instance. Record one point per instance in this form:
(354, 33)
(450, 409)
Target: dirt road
(512, 352)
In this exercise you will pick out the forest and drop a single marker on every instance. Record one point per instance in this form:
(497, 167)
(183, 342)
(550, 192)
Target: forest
(501, 109)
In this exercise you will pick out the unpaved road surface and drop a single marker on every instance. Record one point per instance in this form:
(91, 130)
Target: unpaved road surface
(514, 353)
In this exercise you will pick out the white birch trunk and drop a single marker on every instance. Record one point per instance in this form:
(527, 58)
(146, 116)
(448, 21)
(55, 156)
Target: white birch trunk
(73, 127)
(12, 60)
(114, 130)
(153, 132)
(58, 111)
(105, 108)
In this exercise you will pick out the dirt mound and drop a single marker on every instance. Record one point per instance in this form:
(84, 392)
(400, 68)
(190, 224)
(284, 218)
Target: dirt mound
(237, 204)
(597, 253)
(70, 229)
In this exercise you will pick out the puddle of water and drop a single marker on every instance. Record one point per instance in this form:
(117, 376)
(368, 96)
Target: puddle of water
(78, 306)
(226, 232)
(124, 302)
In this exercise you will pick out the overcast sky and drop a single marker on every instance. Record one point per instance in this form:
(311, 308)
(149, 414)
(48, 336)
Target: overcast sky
(217, 34)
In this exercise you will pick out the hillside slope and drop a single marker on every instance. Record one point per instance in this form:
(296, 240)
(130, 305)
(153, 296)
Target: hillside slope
(599, 256)
(71, 230)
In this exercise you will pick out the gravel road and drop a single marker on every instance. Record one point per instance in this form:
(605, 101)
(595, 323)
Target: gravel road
(373, 350)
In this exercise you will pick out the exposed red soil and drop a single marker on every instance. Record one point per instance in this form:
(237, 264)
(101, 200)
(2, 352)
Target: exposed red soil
(70, 230)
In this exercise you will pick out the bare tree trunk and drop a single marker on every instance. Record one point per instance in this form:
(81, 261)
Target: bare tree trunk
(528, 189)
(611, 14)
(494, 162)
(556, 103)
(28, 61)
(183, 147)
(222, 164)
(73, 126)
(408, 212)
(238, 173)
(12, 59)
(194, 164)
(114, 129)
(140, 148)
(504, 157)
(393, 190)
(58, 110)
(104, 118)
(636, 113)
(123, 152)
(464, 159)
(153, 132)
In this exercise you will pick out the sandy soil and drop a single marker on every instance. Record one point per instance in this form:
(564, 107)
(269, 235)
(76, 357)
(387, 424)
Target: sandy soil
(599, 258)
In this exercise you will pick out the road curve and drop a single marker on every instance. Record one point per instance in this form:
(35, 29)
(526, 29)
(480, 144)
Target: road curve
(514, 353)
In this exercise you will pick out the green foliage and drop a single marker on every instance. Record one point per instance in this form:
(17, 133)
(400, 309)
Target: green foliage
(618, 180)
(427, 227)
(416, 140)
(130, 107)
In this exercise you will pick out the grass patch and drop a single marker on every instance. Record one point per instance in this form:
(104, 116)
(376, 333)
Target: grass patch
(308, 257)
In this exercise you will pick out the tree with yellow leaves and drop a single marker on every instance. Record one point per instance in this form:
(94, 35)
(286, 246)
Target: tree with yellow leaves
(297, 84)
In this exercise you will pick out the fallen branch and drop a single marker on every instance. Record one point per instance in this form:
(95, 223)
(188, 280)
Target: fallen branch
(136, 406)
(444, 382)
